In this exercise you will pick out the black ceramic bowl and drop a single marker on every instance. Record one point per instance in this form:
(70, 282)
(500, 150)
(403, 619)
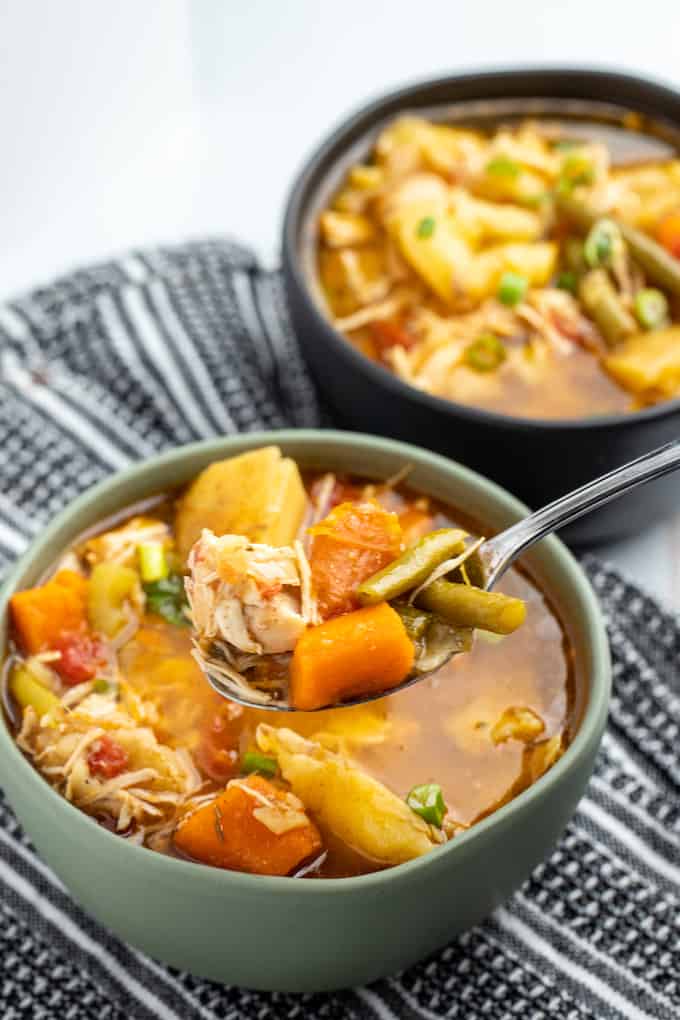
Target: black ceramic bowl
(536, 459)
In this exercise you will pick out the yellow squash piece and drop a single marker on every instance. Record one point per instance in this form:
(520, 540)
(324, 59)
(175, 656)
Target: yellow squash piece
(258, 494)
(112, 589)
(26, 689)
(355, 807)
(648, 364)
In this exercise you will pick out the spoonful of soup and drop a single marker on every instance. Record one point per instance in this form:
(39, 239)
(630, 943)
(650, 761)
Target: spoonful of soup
(354, 616)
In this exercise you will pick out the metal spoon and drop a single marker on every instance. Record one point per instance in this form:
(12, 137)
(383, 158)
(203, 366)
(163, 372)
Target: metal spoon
(498, 553)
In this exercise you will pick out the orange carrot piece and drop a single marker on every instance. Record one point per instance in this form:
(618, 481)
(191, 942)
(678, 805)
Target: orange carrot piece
(41, 614)
(353, 542)
(668, 233)
(227, 833)
(363, 652)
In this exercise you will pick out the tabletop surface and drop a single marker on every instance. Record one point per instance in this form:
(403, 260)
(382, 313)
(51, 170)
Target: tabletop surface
(128, 124)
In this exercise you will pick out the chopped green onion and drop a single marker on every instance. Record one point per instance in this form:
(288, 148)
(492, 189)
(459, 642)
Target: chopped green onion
(485, 354)
(153, 565)
(599, 245)
(567, 280)
(651, 308)
(428, 802)
(167, 598)
(426, 227)
(252, 761)
(100, 685)
(503, 166)
(512, 288)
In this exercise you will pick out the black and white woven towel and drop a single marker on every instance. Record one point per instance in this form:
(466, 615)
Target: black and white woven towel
(116, 362)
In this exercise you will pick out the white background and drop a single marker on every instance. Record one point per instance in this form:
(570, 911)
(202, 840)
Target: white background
(130, 123)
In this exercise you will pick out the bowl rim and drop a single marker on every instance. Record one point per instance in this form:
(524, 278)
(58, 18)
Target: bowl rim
(589, 729)
(360, 121)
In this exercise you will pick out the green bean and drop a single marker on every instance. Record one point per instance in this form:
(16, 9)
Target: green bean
(601, 301)
(412, 568)
(462, 605)
(659, 266)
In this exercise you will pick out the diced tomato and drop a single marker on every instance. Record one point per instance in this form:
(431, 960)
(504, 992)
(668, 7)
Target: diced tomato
(353, 542)
(82, 655)
(668, 233)
(107, 758)
(387, 333)
(217, 754)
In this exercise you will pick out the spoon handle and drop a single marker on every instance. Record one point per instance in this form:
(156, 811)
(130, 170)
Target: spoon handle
(506, 547)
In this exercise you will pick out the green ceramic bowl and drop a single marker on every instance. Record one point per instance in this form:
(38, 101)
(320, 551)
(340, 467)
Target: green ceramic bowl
(279, 933)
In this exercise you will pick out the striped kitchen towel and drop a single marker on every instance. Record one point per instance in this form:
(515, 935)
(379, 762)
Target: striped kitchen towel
(121, 360)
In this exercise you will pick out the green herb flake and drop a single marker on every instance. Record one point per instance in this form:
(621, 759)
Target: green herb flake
(167, 598)
(426, 227)
(100, 685)
(428, 802)
(503, 166)
(253, 761)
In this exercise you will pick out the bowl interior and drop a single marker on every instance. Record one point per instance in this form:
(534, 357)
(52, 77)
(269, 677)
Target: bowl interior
(550, 564)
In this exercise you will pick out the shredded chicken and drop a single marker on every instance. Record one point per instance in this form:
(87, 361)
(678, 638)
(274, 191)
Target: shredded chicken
(256, 598)
(156, 783)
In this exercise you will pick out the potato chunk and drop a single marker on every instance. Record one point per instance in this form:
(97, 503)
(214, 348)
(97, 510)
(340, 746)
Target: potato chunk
(355, 807)
(258, 494)
(648, 364)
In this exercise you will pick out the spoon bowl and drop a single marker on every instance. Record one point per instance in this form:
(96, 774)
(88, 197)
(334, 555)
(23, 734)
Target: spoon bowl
(495, 556)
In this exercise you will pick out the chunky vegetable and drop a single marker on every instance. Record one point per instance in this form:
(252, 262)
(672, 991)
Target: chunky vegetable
(601, 300)
(512, 288)
(27, 689)
(648, 364)
(153, 564)
(651, 308)
(351, 544)
(41, 614)
(253, 826)
(358, 653)
(258, 494)
(81, 655)
(354, 806)
(412, 567)
(428, 802)
(111, 591)
(668, 233)
(485, 354)
(466, 606)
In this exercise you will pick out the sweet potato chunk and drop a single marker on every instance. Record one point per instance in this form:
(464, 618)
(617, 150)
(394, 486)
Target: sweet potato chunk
(353, 542)
(258, 494)
(253, 826)
(41, 614)
(358, 653)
